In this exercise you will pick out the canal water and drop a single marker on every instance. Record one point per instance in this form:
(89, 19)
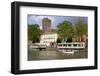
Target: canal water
(52, 53)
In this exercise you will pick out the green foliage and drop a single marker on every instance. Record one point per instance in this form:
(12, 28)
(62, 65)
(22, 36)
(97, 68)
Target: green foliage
(58, 40)
(81, 27)
(65, 30)
(34, 32)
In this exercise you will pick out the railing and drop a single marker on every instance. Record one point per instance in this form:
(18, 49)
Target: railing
(71, 45)
(37, 46)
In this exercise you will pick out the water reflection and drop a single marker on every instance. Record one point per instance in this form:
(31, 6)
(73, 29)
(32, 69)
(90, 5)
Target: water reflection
(53, 53)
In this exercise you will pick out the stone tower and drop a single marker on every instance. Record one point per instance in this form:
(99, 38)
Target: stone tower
(46, 24)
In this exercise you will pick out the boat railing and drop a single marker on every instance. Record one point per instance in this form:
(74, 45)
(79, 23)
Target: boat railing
(71, 45)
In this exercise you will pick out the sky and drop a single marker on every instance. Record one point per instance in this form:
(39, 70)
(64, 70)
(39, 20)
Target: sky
(55, 20)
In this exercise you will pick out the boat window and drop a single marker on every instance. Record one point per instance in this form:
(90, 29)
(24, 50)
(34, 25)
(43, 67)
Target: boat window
(69, 44)
(74, 44)
(65, 45)
(79, 45)
(60, 45)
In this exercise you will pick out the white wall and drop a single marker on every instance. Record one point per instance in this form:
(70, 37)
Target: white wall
(5, 41)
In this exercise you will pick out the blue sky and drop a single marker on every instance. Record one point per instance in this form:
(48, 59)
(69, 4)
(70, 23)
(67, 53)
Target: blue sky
(55, 20)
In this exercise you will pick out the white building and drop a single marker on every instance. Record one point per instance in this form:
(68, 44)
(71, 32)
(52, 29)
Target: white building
(48, 39)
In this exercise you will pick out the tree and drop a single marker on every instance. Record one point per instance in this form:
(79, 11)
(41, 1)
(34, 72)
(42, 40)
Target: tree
(34, 33)
(58, 40)
(80, 28)
(65, 30)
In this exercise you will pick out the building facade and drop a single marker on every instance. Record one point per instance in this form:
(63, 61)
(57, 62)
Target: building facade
(49, 39)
